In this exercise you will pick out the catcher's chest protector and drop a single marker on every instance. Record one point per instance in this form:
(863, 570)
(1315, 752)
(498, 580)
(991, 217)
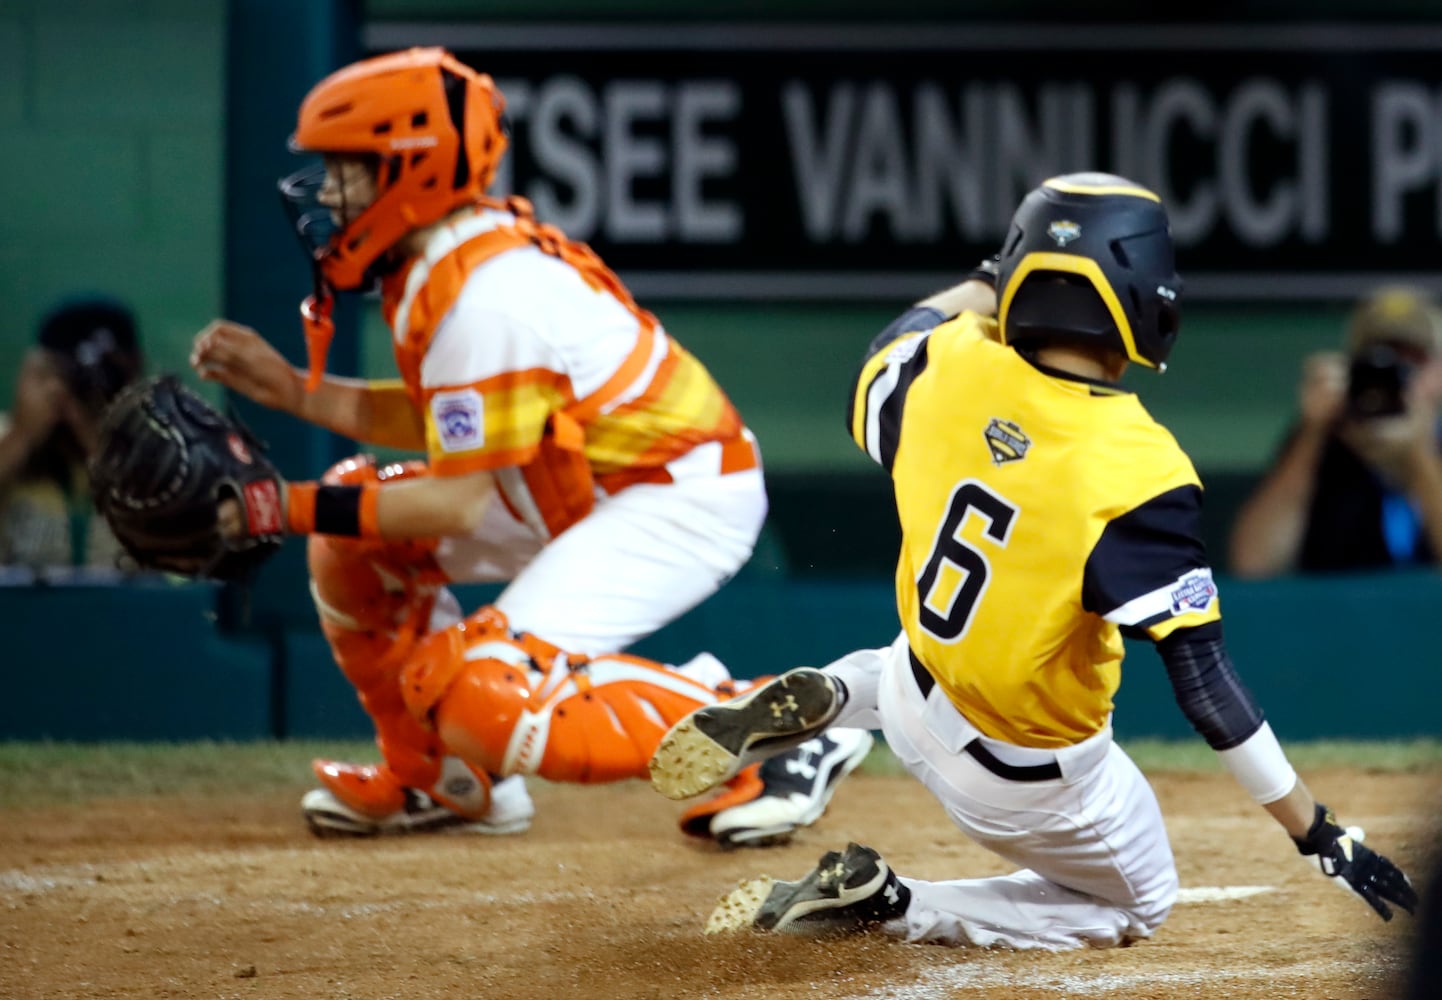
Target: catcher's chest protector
(559, 478)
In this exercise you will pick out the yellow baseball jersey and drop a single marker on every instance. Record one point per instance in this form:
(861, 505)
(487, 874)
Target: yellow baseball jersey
(1040, 514)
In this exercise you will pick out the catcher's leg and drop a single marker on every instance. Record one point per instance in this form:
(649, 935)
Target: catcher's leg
(511, 704)
(374, 599)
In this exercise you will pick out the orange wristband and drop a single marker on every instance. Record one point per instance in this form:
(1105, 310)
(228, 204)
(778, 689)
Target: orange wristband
(370, 498)
(300, 508)
(323, 509)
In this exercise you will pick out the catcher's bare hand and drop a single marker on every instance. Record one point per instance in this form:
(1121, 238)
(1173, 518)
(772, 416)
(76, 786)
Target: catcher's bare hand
(230, 520)
(239, 358)
(1340, 854)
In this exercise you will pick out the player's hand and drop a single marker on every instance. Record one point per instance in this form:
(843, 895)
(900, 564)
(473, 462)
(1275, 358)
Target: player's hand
(1340, 854)
(230, 519)
(239, 358)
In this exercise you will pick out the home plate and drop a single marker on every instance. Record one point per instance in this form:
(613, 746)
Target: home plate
(1217, 893)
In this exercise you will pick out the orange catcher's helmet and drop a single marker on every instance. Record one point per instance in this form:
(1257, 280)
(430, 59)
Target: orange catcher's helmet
(434, 128)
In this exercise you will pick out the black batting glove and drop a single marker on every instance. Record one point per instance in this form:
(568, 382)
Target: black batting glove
(986, 271)
(1340, 854)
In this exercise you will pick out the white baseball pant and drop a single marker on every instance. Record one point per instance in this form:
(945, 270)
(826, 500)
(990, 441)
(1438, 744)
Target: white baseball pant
(639, 560)
(1096, 866)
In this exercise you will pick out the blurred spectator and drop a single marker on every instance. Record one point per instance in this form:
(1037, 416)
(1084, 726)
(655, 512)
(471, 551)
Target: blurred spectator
(1425, 973)
(86, 352)
(1358, 483)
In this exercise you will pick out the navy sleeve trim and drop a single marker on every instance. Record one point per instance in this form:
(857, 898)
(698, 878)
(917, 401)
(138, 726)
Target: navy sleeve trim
(914, 320)
(1150, 564)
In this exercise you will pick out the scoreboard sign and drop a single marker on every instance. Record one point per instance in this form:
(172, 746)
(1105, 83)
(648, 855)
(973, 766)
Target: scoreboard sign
(859, 162)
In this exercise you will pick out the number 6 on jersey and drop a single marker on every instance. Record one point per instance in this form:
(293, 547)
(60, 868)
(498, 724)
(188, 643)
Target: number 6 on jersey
(946, 610)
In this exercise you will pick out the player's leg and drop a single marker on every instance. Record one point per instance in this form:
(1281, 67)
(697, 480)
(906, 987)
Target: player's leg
(1095, 864)
(512, 704)
(666, 549)
(1082, 822)
(799, 706)
(374, 600)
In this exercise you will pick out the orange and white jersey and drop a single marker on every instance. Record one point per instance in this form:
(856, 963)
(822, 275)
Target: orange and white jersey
(523, 353)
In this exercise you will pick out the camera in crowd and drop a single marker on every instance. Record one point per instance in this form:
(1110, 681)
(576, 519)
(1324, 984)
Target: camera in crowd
(1377, 381)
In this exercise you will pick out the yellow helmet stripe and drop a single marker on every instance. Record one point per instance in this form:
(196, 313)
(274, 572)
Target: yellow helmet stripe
(1085, 267)
(1058, 184)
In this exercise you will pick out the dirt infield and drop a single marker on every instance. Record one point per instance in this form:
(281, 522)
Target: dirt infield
(603, 898)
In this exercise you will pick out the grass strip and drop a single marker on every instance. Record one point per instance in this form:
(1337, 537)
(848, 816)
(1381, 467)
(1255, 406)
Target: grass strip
(45, 773)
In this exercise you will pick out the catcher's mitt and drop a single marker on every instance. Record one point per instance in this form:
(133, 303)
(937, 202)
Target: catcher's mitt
(165, 460)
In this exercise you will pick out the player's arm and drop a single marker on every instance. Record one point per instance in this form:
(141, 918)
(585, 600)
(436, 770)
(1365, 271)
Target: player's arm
(1220, 708)
(976, 293)
(488, 402)
(374, 412)
(1148, 573)
(422, 507)
(377, 413)
(898, 354)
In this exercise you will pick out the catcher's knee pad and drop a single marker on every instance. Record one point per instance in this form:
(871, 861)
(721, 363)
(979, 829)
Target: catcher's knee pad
(473, 690)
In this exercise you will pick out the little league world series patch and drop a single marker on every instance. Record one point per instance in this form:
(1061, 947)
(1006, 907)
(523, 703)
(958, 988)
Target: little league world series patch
(1194, 592)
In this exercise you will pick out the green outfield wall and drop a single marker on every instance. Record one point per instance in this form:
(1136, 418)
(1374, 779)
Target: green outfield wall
(1327, 658)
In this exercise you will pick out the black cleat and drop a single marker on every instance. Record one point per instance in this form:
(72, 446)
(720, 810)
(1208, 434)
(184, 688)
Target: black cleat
(797, 787)
(711, 744)
(848, 891)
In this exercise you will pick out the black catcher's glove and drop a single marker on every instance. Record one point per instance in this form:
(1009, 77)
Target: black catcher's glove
(1341, 855)
(165, 460)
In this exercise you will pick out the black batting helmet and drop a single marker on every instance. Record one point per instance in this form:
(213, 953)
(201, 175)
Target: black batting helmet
(1089, 258)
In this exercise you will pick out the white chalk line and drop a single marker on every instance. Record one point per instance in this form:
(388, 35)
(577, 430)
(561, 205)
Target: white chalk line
(942, 983)
(60, 877)
(1220, 893)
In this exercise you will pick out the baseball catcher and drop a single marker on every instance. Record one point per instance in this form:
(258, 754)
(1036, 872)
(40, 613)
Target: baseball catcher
(573, 450)
(165, 462)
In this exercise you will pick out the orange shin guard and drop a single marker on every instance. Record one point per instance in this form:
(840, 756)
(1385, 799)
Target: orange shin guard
(608, 729)
(519, 710)
(374, 599)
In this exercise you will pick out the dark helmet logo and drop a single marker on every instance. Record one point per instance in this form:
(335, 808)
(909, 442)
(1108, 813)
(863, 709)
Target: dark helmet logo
(1063, 231)
(1006, 440)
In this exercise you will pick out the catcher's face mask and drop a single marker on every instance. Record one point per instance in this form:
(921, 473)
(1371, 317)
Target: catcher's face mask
(432, 127)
